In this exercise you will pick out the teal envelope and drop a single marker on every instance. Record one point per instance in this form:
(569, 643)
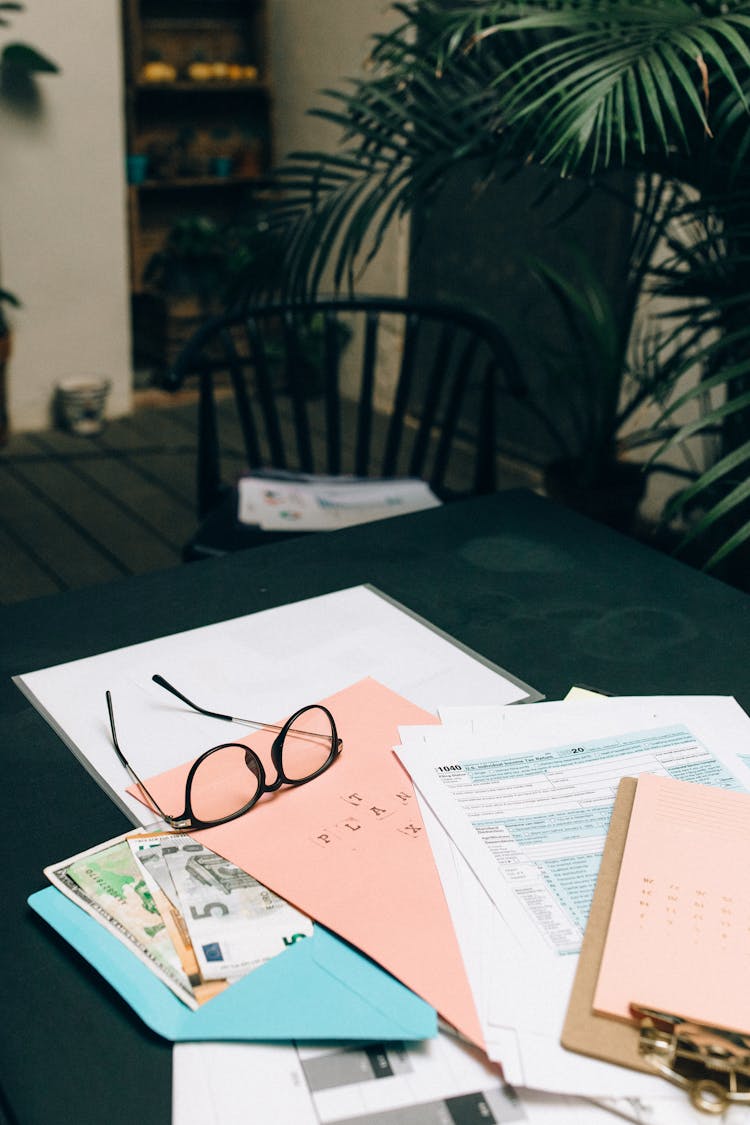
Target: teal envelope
(319, 988)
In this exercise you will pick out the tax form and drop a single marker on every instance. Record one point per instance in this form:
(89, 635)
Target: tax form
(527, 798)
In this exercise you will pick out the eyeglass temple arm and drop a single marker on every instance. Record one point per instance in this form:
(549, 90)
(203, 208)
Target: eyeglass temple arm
(151, 800)
(157, 679)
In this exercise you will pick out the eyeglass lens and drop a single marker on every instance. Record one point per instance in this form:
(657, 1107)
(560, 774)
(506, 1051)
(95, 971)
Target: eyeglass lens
(308, 745)
(227, 779)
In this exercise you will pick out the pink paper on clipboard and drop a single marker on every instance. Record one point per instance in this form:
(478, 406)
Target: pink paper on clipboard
(351, 850)
(677, 936)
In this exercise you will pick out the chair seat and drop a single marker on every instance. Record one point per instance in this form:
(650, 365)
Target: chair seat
(221, 533)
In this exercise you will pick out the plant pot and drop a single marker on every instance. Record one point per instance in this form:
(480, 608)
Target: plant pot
(137, 168)
(612, 499)
(81, 403)
(222, 166)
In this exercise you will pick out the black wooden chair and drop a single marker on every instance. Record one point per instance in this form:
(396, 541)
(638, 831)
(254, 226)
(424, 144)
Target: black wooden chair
(271, 379)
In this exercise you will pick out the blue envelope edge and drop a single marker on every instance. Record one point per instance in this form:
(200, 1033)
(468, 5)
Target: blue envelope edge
(320, 988)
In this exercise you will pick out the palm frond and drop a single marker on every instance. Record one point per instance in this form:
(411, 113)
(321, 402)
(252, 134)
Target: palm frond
(576, 86)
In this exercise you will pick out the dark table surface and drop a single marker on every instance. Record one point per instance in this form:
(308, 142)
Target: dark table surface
(552, 597)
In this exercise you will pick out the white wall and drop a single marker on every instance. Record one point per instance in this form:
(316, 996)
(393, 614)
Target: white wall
(318, 46)
(310, 53)
(63, 244)
(654, 318)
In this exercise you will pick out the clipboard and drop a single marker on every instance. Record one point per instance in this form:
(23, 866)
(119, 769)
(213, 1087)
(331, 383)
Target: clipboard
(712, 1066)
(583, 1031)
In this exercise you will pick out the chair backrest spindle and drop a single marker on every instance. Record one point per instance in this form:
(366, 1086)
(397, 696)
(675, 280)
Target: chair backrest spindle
(452, 412)
(428, 413)
(401, 398)
(242, 400)
(331, 390)
(260, 371)
(366, 393)
(295, 381)
(208, 468)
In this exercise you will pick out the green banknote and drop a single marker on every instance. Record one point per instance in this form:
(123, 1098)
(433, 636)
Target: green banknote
(108, 884)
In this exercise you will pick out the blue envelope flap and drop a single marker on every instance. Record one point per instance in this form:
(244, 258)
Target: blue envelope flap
(318, 989)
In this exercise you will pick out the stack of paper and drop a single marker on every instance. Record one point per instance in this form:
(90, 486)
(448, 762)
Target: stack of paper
(525, 795)
(452, 877)
(294, 502)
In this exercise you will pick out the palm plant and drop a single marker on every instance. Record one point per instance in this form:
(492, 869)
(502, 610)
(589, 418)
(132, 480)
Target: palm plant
(659, 87)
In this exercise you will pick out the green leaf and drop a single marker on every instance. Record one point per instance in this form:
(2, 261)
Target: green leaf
(9, 298)
(726, 506)
(734, 460)
(707, 418)
(741, 536)
(26, 60)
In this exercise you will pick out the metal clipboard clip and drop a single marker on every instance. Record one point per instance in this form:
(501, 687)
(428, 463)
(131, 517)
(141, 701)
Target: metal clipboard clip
(712, 1065)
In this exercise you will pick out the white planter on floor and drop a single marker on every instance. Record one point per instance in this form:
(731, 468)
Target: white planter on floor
(81, 403)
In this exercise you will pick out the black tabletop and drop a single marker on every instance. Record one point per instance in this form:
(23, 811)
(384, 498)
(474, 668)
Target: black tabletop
(552, 597)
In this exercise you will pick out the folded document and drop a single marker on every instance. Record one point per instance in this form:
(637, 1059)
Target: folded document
(287, 502)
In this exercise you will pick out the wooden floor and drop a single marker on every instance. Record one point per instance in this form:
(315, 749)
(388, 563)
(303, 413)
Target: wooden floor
(78, 511)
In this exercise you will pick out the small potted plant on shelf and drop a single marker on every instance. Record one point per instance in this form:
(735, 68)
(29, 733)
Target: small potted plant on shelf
(192, 262)
(205, 268)
(222, 158)
(189, 275)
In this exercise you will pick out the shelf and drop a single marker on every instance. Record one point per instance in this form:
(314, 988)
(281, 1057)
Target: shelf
(196, 182)
(208, 85)
(193, 23)
(183, 123)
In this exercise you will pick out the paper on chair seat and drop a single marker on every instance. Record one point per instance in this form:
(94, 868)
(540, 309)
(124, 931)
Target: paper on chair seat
(285, 502)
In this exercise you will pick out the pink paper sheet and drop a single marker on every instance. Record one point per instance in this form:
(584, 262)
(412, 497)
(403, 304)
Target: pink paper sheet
(351, 850)
(678, 933)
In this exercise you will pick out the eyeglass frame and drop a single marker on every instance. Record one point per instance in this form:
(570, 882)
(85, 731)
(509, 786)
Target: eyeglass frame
(187, 821)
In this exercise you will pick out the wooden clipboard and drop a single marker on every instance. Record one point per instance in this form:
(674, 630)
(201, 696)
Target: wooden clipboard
(583, 1031)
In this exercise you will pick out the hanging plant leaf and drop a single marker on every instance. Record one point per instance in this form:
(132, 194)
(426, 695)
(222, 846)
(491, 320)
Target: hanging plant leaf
(24, 59)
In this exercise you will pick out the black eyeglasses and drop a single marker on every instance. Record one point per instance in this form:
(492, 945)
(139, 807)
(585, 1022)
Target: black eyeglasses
(227, 780)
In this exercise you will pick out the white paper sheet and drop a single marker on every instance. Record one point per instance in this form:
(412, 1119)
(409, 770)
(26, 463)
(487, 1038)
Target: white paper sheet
(264, 665)
(286, 503)
(528, 828)
(428, 1083)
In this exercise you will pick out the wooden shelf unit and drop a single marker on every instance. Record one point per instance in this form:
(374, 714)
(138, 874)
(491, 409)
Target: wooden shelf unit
(203, 124)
